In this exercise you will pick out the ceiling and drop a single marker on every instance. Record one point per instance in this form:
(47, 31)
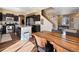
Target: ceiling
(25, 10)
(66, 10)
(58, 10)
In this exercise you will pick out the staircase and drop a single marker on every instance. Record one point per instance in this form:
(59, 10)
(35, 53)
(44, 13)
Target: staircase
(51, 17)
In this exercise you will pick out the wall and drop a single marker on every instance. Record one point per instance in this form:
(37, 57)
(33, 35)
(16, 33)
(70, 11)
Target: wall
(74, 21)
(46, 26)
(51, 16)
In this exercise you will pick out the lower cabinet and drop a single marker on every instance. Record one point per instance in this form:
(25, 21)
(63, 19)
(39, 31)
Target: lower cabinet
(35, 28)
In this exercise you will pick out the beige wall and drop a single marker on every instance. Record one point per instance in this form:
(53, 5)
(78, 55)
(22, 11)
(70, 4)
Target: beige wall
(74, 21)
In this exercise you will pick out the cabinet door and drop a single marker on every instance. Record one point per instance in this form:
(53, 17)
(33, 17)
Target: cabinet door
(4, 17)
(37, 18)
(15, 18)
(9, 15)
(27, 21)
(30, 21)
(0, 16)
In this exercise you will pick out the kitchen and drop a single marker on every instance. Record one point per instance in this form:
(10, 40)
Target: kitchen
(37, 21)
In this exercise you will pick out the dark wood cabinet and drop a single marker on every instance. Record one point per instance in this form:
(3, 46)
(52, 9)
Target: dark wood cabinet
(9, 15)
(4, 17)
(30, 20)
(37, 18)
(4, 30)
(0, 16)
(15, 18)
(35, 28)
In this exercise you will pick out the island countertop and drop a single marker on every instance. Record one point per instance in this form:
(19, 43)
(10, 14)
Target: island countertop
(69, 43)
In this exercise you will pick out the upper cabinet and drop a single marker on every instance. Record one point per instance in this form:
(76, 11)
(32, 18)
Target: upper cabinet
(0, 16)
(37, 18)
(31, 20)
(9, 15)
(16, 18)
